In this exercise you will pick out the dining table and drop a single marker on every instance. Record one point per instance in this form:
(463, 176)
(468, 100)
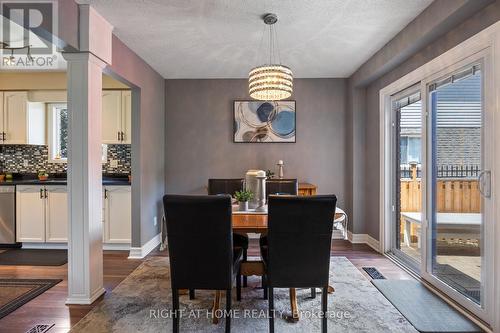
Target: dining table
(255, 221)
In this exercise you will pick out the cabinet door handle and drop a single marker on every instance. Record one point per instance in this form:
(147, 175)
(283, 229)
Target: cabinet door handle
(118, 133)
(123, 136)
(41, 193)
(105, 194)
(3, 136)
(45, 191)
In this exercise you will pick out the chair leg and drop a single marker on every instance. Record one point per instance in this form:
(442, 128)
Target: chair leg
(175, 309)
(228, 311)
(264, 285)
(238, 287)
(191, 294)
(271, 310)
(324, 309)
(245, 257)
(313, 292)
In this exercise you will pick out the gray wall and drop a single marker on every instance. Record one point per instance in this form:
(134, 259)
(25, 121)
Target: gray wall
(199, 142)
(148, 139)
(364, 97)
(148, 131)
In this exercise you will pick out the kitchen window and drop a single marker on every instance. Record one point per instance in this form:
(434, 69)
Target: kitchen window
(58, 134)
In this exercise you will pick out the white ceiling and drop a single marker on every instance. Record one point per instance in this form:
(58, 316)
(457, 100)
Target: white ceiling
(221, 38)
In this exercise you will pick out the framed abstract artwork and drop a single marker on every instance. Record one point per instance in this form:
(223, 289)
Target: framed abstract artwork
(257, 121)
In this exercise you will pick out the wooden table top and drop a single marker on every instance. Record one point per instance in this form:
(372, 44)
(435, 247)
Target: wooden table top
(256, 223)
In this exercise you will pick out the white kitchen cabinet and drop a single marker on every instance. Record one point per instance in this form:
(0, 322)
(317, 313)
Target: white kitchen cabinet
(30, 214)
(116, 117)
(127, 116)
(111, 116)
(20, 124)
(15, 116)
(42, 213)
(117, 214)
(56, 214)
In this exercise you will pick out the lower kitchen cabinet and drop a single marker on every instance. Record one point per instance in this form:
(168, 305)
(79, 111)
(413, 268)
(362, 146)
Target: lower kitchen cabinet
(117, 214)
(42, 214)
(56, 214)
(30, 214)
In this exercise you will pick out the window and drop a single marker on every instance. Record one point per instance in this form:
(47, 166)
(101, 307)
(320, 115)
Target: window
(58, 134)
(410, 149)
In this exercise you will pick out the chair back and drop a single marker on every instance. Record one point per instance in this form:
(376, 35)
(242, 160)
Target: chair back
(200, 241)
(299, 236)
(224, 186)
(282, 187)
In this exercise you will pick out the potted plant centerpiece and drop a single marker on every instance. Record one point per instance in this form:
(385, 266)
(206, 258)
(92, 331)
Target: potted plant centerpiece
(243, 197)
(43, 175)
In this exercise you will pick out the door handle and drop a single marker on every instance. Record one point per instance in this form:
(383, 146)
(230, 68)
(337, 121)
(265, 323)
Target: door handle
(45, 191)
(118, 133)
(123, 136)
(485, 183)
(105, 194)
(41, 193)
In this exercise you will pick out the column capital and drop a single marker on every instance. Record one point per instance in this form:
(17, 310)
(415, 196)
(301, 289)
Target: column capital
(84, 57)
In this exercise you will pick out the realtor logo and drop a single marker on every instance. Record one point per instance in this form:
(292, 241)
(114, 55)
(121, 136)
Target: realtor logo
(27, 31)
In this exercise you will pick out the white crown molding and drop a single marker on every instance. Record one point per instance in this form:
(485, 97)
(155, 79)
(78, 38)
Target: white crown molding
(141, 252)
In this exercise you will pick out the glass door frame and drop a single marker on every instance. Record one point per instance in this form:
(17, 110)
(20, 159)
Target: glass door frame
(487, 139)
(395, 117)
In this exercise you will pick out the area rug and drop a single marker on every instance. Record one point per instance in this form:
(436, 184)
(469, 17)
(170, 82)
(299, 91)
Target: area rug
(142, 303)
(34, 257)
(433, 315)
(16, 292)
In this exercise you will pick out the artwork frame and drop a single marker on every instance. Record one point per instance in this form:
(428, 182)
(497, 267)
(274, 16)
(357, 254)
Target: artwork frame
(264, 121)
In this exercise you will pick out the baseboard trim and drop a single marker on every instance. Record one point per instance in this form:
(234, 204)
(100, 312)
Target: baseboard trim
(364, 239)
(116, 247)
(45, 246)
(141, 252)
(64, 246)
(85, 300)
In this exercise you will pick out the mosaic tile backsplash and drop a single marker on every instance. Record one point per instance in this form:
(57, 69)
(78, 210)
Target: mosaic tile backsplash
(31, 159)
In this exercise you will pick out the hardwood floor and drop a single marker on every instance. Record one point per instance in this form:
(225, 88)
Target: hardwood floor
(50, 308)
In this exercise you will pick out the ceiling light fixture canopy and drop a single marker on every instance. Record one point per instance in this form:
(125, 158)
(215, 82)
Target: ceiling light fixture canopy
(273, 81)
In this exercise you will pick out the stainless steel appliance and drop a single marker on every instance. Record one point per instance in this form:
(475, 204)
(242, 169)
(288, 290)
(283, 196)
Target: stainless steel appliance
(7, 215)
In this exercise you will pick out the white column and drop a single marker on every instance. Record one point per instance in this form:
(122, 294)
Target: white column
(85, 267)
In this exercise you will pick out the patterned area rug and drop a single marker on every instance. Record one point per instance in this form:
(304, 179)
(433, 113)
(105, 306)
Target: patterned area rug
(142, 303)
(16, 292)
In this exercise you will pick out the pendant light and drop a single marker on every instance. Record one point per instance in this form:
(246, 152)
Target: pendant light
(273, 81)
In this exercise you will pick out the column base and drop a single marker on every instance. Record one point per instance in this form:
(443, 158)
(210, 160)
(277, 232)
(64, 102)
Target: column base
(82, 300)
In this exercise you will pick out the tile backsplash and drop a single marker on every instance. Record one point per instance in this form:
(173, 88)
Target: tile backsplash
(31, 159)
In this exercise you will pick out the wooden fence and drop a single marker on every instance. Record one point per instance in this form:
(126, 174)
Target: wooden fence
(453, 195)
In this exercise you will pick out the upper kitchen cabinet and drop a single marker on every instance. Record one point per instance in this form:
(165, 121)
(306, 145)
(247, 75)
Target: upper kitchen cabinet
(21, 122)
(116, 117)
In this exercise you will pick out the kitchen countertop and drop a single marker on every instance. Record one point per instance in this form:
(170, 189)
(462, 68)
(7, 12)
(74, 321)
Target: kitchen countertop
(106, 181)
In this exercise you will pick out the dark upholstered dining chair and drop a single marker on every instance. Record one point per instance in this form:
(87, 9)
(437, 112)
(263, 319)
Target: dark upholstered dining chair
(299, 243)
(277, 187)
(229, 186)
(200, 247)
(282, 187)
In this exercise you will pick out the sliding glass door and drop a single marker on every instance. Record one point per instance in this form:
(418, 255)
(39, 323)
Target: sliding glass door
(406, 112)
(459, 187)
(440, 167)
